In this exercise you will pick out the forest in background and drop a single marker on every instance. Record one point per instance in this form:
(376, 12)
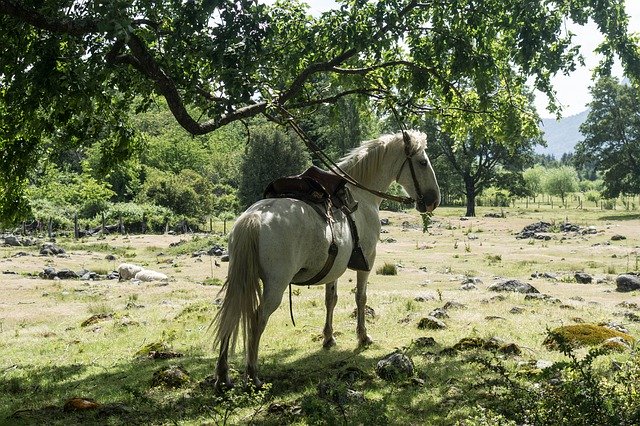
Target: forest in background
(176, 181)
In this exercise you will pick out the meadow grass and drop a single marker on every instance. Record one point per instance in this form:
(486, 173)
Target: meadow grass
(47, 357)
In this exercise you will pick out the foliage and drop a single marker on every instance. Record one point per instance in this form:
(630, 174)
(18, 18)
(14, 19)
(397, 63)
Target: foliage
(612, 136)
(80, 193)
(272, 153)
(534, 178)
(394, 206)
(561, 181)
(74, 73)
(569, 392)
(488, 150)
(133, 215)
(387, 269)
(184, 193)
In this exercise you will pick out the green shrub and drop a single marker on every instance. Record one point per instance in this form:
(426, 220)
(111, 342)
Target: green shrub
(387, 269)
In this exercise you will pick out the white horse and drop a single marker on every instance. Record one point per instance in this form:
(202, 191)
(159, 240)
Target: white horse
(282, 240)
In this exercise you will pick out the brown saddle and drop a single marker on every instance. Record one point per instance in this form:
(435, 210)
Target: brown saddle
(314, 185)
(323, 191)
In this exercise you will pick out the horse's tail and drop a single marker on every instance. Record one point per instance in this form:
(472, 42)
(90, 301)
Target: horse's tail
(242, 292)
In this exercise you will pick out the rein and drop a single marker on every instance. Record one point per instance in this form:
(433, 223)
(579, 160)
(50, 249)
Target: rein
(334, 168)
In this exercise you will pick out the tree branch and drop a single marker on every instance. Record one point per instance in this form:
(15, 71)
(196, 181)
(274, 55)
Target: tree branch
(76, 27)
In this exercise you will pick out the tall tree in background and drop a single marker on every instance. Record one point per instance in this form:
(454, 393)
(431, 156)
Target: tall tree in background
(612, 136)
(488, 150)
(71, 71)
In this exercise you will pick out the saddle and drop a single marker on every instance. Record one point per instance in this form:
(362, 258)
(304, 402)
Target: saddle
(313, 186)
(325, 192)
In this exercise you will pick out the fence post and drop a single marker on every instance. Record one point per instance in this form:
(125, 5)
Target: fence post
(120, 224)
(103, 224)
(50, 228)
(144, 223)
(76, 231)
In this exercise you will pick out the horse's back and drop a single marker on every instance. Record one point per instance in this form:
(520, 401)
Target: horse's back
(293, 236)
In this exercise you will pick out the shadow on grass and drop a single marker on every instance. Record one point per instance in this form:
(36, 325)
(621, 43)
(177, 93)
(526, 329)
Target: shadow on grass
(126, 395)
(621, 216)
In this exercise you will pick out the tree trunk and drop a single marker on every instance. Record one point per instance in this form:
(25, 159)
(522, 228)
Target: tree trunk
(470, 190)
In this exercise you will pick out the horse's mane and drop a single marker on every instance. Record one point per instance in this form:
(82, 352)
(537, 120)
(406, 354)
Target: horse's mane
(363, 162)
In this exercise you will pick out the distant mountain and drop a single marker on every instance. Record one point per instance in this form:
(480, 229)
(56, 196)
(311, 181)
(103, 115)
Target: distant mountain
(561, 135)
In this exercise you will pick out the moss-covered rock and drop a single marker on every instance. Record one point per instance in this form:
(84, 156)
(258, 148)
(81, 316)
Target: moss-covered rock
(579, 335)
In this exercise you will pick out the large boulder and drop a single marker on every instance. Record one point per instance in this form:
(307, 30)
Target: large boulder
(396, 366)
(627, 282)
(513, 285)
(128, 270)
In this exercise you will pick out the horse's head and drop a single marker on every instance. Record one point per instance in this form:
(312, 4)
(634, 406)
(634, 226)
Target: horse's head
(416, 174)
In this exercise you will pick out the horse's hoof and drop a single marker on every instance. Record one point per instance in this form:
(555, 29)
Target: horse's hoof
(329, 343)
(254, 384)
(221, 386)
(365, 341)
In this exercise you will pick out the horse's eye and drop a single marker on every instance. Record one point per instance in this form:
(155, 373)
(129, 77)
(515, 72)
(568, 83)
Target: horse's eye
(424, 162)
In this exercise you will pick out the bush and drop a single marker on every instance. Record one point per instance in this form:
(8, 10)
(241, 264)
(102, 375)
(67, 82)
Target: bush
(271, 154)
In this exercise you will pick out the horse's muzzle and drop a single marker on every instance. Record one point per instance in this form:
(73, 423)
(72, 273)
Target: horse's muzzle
(429, 201)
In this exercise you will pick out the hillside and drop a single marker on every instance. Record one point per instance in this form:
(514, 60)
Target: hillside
(561, 135)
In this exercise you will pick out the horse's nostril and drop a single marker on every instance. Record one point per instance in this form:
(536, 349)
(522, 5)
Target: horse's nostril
(431, 198)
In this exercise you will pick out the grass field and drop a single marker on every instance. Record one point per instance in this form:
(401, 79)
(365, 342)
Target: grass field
(48, 357)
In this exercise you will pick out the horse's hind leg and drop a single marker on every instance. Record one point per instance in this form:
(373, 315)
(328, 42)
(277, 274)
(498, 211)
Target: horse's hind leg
(361, 302)
(222, 367)
(272, 296)
(330, 300)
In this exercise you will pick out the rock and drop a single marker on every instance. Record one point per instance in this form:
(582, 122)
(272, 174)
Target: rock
(468, 287)
(110, 257)
(424, 298)
(369, 313)
(454, 305)
(80, 404)
(384, 221)
(113, 275)
(616, 343)
(542, 297)
(12, 240)
(546, 275)
(425, 342)
(224, 258)
(583, 335)
(50, 249)
(627, 282)
(494, 215)
(614, 326)
(173, 376)
(439, 313)
(516, 310)
(510, 349)
(216, 250)
(147, 275)
(583, 278)
(618, 237)
(396, 366)
(431, 323)
(531, 231)
(469, 343)
(628, 305)
(95, 318)
(513, 285)
(64, 274)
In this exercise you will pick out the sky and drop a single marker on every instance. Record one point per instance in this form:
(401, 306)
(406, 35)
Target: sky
(572, 90)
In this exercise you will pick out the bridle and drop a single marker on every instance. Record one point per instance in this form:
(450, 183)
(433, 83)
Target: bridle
(333, 167)
(409, 159)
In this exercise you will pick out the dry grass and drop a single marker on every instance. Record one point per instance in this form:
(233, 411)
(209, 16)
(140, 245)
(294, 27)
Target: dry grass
(39, 319)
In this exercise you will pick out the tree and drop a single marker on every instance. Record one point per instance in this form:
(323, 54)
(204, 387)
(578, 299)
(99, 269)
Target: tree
(534, 179)
(483, 150)
(561, 181)
(71, 72)
(612, 136)
(271, 154)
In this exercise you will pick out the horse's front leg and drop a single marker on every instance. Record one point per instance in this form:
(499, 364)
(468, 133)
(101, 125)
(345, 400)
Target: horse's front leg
(330, 300)
(361, 302)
